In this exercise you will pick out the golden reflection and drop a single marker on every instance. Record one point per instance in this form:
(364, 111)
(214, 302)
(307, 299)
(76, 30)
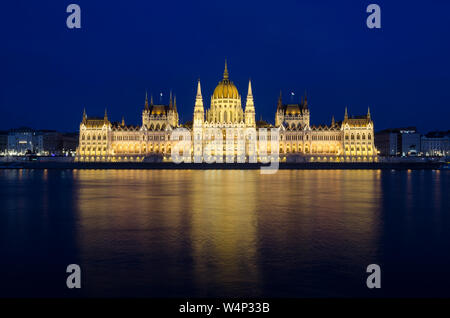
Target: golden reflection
(224, 228)
(219, 224)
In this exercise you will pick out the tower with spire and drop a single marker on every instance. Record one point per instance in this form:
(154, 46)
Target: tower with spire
(146, 113)
(199, 112)
(158, 117)
(197, 125)
(250, 107)
(279, 115)
(172, 114)
(293, 115)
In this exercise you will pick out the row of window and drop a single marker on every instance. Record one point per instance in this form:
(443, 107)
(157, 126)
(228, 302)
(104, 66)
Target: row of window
(137, 137)
(93, 148)
(358, 137)
(313, 137)
(121, 138)
(88, 137)
(358, 148)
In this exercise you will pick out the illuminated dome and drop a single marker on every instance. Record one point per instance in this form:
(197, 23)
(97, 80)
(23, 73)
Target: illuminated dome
(226, 106)
(225, 88)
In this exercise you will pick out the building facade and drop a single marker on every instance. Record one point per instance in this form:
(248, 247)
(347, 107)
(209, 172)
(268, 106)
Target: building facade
(23, 141)
(228, 121)
(436, 144)
(386, 142)
(403, 142)
(3, 143)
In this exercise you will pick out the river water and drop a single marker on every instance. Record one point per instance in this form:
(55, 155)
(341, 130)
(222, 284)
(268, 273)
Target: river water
(224, 233)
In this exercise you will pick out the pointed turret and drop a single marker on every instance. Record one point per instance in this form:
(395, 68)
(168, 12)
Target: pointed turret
(249, 104)
(306, 100)
(225, 72)
(280, 102)
(346, 114)
(175, 103)
(332, 121)
(368, 112)
(279, 115)
(250, 107)
(123, 121)
(84, 115)
(170, 100)
(199, 114)
(199, 89)
(151, 99)
(146, 101)
(105, 117)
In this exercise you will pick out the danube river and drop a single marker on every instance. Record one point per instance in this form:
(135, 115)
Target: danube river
(181, 233)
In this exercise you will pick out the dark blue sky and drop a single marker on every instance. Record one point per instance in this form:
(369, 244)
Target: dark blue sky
(49, 73)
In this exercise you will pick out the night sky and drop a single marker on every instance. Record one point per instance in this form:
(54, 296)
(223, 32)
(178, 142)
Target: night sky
(49, 73)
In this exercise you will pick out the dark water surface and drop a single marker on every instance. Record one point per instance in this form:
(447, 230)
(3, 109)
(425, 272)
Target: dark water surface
(157, 233)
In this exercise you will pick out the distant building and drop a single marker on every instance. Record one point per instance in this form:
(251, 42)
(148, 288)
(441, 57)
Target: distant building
(386, 143)
(409, 141)
(25, 140)
(398, 142)
(52, 142)
(436, 144)
(3, 142)
(69, 143)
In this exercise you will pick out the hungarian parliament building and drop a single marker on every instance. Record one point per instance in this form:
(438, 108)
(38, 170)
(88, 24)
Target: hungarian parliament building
(349, 140)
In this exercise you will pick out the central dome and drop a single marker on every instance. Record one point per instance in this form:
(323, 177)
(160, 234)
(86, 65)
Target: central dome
(225, 88)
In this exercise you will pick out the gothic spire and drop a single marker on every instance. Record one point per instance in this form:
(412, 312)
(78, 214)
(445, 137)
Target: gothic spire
(280, 102)
(146, 101)
(306, 100)
(175, 103)
(368, 112)
(199, 112)
(105, 118)
(249, 106)
(346, 113)
(225, 72)
(199, 89)
(151, 99)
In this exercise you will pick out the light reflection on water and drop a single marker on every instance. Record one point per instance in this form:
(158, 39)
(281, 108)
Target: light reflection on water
(215, 229)
(298, 233)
